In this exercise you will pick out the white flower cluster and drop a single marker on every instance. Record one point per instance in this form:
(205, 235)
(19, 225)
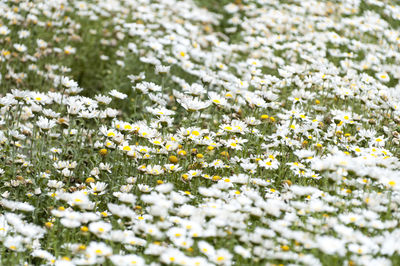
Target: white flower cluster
(159, 132)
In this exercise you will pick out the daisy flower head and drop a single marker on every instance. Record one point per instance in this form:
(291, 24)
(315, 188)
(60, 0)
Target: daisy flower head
(20, 47)
(160, 69)
(118, 94)
(383, 76)
(217, 99)
(45, 124)
(193, 104)
(4, 30)
(98, 249)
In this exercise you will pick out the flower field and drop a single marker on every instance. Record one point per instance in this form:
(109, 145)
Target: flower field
(179, 132)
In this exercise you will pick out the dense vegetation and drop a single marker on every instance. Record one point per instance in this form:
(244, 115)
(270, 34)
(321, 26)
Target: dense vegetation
(250, 132)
